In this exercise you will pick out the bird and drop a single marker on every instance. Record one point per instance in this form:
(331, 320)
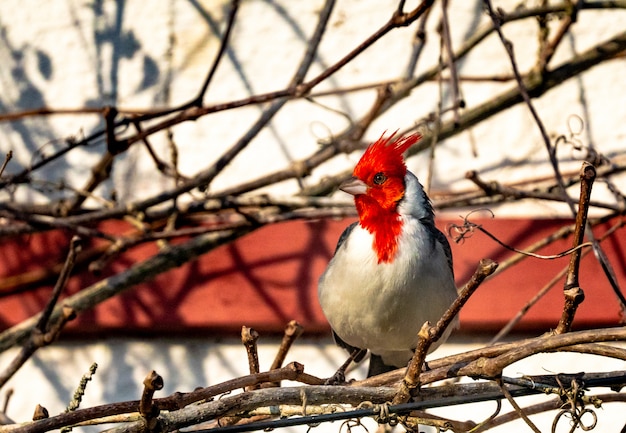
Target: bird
(391, 270)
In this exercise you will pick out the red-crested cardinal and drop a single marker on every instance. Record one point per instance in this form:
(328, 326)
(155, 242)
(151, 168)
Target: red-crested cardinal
(392, 270)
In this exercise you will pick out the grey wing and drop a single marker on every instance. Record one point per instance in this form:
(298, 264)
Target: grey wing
(345, 235)
(377, 366)
(443, 240)
(351, 349)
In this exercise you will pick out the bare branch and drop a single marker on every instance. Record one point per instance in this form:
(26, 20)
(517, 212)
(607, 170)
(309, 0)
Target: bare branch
(429, 334)
(574, 295)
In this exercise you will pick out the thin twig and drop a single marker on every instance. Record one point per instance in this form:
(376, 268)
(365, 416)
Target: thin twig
(508, 45)
(293, 330)
(463, 231)
(7, 158)
(429, 334)
(418, 43)
(549, 48)
(35, 342)
(493, 366)
(44, 319)
(77, 397)
(147, 408)
(454, 79)
(518, 409)
(574, 294)
(230, 23)
(546, 288)
(80, 390)
(164, 260)
(249, 339)
(46, 328)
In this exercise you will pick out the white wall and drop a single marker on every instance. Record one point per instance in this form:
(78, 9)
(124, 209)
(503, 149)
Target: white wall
(123, 364)
(144, 55)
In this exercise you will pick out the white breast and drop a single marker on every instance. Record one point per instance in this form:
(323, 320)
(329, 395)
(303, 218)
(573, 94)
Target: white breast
(382, 307)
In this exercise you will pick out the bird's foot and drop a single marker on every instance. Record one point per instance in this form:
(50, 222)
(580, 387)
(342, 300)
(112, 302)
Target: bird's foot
(339, 378)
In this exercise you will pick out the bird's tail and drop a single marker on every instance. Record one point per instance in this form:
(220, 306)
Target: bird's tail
(377, 366)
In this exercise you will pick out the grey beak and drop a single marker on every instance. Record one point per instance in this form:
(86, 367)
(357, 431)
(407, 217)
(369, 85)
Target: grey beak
(353, 186)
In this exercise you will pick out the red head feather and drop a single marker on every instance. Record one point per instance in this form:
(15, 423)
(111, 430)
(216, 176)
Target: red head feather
(385, 155)
(382, 169)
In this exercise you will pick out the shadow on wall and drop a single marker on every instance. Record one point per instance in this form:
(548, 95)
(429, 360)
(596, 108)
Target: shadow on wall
(269, 277)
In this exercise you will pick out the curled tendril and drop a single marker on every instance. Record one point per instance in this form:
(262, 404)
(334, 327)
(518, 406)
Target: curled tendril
(467, 229)
(580, 125)
(573, 397)
(576, 126)
(594, 418)
(576, 421)
(459, 233)
(332, 408)
(385, 416)
(486, 422)
(352, 423)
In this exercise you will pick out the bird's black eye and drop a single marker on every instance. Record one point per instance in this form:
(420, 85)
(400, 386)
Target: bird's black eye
(379, 178)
